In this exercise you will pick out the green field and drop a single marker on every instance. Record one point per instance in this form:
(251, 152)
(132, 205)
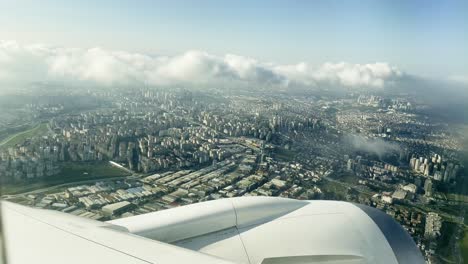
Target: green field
(444, 247)
(345, 177)
(18, 138)
(70, 172)
(333, 190)
(464, 245)
(284, 154)
(90, 169)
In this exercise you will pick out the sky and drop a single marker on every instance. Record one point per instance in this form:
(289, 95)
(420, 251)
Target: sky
(428, 38)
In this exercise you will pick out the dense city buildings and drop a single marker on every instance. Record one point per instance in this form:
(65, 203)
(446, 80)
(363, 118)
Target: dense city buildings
(175, 147)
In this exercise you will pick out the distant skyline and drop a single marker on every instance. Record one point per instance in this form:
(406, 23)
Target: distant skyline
(426, 38)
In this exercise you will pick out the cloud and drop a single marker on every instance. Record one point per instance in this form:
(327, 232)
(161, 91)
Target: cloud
(375, 146)
(18, 63)
(375, 75)
(98, 65)
(30, 63)
(192, 66)
(462, 79)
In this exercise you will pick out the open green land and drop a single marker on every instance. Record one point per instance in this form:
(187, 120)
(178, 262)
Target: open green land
(18, 138)
(464, 245)
(77, 171)
(284, 154)
(333, 190)
(458, 197)
(70, 172)
(345, 177)
(444, 247)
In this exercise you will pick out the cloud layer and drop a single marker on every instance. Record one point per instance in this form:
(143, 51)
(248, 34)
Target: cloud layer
(30, 63)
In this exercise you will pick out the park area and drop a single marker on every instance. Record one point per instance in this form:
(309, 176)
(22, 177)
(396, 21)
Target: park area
(39, 130)
(69, 173)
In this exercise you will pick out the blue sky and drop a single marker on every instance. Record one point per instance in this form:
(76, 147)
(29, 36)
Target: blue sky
(428, 38)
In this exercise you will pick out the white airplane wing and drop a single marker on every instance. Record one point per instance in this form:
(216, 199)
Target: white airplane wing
(249, 230)
(43, 236)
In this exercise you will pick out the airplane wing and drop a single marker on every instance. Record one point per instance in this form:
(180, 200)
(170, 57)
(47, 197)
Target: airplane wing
(43, 236)
(249, 230)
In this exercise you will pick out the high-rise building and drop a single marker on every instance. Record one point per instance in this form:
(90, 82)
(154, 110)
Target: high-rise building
(428, 187)
(454, 172)
(438, 176)
(350, 165)
(412, 163)
(417, 164)
(426, 169)
(446, 175)
(433, 225)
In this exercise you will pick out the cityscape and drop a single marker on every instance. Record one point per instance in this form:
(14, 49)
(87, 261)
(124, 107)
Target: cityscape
(235, 132)
(137, 151)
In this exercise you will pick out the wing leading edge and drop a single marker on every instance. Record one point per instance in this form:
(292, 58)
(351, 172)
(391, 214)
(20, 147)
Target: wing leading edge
(236, 230)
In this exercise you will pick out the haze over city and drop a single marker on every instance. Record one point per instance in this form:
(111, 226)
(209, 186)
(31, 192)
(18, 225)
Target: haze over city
(117, 111)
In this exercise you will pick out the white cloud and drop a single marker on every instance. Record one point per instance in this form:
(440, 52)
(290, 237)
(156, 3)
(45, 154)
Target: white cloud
(192, 66)
(18, 63)
(463, 79)
(26, 63)
(98, 65)
(351, 75)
